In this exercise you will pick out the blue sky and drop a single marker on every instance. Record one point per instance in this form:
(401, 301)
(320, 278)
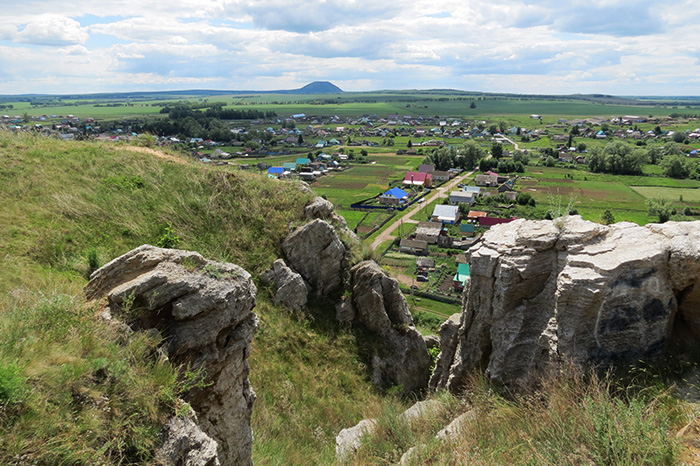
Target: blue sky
(535, 47)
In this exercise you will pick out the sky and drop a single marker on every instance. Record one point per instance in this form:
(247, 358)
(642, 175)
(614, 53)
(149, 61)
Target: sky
(534, 47)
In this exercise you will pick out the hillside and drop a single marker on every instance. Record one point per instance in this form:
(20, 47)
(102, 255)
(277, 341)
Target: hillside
(76, 390)
(69, 384)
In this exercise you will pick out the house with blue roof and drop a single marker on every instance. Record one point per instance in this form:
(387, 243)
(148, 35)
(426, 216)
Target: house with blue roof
(275, 172)
(394, 196)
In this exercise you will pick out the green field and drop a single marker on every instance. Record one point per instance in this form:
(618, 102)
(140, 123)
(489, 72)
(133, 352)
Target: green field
(671, 194)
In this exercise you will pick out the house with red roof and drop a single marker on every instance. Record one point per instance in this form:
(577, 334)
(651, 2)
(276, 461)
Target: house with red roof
(418, 179)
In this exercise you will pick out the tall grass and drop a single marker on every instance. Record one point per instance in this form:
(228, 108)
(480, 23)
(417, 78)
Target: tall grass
(571, 419)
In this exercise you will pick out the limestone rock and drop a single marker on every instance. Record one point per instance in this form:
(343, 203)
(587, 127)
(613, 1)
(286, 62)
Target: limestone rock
(380, 307)
(291, 290)
(421, 410)
(431, 341)
(203, 310)
(186, 445)
(315, 251)
(349, 440)
(411, 454)
(457, 427)
(448, 345)
(544, 291)
(319, 208)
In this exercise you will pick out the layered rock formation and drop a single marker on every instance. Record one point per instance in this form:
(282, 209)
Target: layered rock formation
(203, 310)
(316, 252)
(378, 305)
(546, 291)
(290, 289)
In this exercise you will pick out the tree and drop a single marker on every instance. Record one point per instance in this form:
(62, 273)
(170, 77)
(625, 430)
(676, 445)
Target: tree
(661, 208)
(300, 139)
(409, 144)
(679, 136)
(497, 150)
(570, 142)
(607, 218)
(472, 105)
(524, 198)
(581, 146)
(469, 154)
(676, 166)
(493, 129)
(574, 130)
(657, 130)
(521, 157)
(550, 161)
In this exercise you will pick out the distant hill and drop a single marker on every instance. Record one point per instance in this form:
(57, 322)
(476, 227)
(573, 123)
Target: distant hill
(318, 87)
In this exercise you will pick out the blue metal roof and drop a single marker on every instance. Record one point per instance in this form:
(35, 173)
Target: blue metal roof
(398, 193)
(278, 170)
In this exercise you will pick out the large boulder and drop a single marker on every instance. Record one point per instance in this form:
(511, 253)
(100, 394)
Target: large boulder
(376, 303)
(290, 289)
(316, 252)
(203, 310)
(542, 292)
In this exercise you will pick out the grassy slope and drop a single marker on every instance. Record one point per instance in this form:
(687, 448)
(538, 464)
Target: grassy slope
(74, 391)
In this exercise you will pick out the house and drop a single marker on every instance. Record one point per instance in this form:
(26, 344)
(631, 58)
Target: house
(486, 180)
(418, 179)
(275, 172)
(472, 189)
(303, 161)
(426, 168)
(475, 215)
(461, 197)
(446, 214)
(511, 195)
(307, 176)
(394, 196)
(412, 246)
(440, 176)
(289, 166)
(505, 187)
(428, 231)
(425, 263)
(467, 229)
(461, 277)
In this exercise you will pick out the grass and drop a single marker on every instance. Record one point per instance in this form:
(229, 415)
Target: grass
(570, 419)
(73, 389)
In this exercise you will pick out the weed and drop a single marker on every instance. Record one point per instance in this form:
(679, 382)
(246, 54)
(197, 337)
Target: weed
(168, 239)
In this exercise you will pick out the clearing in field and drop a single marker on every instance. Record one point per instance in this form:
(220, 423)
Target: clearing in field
(671, 194)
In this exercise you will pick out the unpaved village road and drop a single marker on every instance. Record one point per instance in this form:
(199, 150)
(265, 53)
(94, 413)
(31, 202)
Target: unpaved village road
(439, 193)
(407, 217)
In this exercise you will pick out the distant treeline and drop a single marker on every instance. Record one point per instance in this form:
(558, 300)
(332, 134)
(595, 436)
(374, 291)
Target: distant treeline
(187, 120)
(213, 110)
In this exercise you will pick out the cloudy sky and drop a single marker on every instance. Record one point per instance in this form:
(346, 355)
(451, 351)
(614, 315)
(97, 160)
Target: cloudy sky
(540, 46)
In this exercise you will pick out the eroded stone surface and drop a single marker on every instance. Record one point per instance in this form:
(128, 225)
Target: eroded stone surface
(544, 291)
(203, 309)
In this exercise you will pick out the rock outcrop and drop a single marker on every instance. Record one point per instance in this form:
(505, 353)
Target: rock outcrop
(316, 252)
(203, 310)
(290, 289)
(185, 444)
(379, 306)
(545, 291)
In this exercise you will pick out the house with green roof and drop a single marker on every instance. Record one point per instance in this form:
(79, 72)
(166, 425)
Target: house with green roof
(461, 277)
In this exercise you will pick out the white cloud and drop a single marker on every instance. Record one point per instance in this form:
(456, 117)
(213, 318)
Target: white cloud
(53, 30)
